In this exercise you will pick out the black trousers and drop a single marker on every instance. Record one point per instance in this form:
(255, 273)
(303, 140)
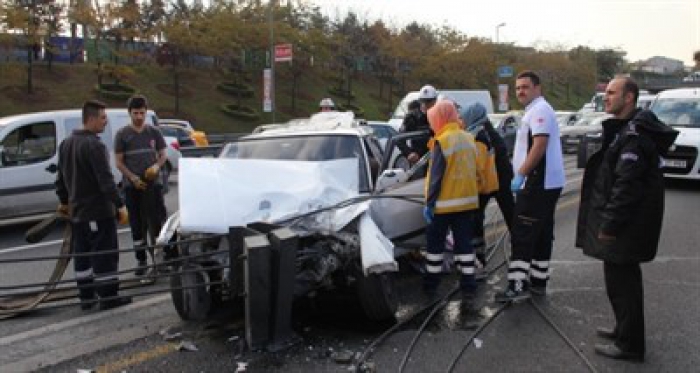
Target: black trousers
(623, 283)
(146, 214)
(95, 237)
(532, 235)
(506, 204)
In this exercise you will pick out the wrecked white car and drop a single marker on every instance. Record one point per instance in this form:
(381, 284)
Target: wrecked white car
(317, 181)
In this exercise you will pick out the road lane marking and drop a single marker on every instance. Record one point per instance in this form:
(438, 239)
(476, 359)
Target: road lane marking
(140, 358)
(56, 327)
(47, 243)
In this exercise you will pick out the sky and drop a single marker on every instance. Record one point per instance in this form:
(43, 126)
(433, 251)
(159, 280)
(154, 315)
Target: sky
(642, 28)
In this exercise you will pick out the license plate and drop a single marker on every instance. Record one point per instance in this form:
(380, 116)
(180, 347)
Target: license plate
(674, 163)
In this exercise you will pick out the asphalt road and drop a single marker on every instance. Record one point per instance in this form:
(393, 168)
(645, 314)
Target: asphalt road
(518, 340)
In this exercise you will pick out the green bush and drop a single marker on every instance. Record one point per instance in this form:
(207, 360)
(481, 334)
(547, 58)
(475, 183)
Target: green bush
(236, 89)
(115, 91)
(341, 93)
(240, 112)
(359, 112)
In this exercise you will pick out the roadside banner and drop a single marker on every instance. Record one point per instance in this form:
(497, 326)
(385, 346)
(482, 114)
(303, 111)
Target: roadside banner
(283, 52)
(267, 90)
(503, 97)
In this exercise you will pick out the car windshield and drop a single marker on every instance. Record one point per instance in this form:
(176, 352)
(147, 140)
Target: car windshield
(315, 148)
(684, 112)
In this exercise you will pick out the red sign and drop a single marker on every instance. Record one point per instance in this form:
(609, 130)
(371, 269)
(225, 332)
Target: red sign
(283, 52)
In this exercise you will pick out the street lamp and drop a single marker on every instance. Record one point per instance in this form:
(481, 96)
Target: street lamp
(498, 27)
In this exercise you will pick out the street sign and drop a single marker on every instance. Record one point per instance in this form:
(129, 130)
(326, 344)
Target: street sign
(283, 52)
(267, 90)
(505, 71)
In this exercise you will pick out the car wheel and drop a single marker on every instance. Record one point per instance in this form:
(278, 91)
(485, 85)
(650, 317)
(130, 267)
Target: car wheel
(191, 298)
(165, 174)
(377, 296)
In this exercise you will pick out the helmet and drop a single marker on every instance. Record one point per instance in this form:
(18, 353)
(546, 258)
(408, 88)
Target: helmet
(427, 93)
(326, 102)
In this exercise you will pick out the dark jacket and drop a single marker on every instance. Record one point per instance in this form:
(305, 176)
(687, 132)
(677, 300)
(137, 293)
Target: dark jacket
(623, 192)
(85, 180)
(503, 166)
(415, 120)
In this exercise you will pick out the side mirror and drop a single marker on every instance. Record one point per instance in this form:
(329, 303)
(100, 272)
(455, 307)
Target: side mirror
(2, 156)
(391, 177)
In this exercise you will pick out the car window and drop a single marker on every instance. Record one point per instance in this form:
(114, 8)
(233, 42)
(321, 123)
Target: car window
(31, 143)
(678, 112)
(301, 148)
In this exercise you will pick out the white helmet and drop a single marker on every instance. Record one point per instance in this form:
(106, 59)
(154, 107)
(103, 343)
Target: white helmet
(327, 102)
(428, 92)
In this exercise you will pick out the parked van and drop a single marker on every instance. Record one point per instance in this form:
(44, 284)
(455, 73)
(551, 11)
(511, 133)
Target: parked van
(680, 109)
(29, 157)
(463, 98)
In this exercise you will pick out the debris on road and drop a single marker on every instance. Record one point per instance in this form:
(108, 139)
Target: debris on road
(187, 346)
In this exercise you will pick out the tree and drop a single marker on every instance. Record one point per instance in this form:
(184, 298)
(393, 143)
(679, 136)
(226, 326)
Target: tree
(609, 63)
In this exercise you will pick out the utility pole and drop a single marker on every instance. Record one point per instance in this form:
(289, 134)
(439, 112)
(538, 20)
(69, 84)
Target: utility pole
(272, 58)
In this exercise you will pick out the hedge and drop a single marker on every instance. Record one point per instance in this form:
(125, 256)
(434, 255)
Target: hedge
(236, 89)
(240, 112)
(341, 93)
(115, 91)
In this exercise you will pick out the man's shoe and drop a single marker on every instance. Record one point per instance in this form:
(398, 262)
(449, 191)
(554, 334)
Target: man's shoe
(516, 292)
(539, 291)
(141, 268)
(614, 352)
(87, 304)
(606, 333)
(114, 303)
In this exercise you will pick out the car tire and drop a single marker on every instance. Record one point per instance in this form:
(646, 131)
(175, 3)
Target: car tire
(194, 302)
(377, 296)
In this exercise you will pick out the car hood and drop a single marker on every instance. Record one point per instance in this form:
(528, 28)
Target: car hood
(687, 136)
(215, 194)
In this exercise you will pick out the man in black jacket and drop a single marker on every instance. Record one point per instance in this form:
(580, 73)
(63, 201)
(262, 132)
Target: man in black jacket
(621, 211)
(87, 193)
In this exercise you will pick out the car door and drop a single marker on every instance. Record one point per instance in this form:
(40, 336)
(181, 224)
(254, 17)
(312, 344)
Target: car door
(401, 219)
(28, 167)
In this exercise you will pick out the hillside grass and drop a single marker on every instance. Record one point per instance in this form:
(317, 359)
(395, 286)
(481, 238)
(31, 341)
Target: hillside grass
(68, 86)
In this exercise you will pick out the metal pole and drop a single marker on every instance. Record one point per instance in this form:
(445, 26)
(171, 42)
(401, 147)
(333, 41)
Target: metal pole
(272, 59)
(496, 58)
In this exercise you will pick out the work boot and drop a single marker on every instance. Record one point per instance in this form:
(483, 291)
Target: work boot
(517, 291)
(141, 268)
(116, 301)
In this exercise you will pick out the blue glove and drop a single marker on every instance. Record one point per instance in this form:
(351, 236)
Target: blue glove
(428, 214)
(517, 183)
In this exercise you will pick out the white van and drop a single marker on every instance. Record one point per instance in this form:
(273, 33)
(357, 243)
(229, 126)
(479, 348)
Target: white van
(463, 98)
(680, 109)
(28, 159)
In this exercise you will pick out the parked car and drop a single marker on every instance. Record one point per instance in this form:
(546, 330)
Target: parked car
(293, 175)
(181, 134)
(589, 124)
(28, 159)
(383, 131)
(567, 118)
(462, 98)
(680, 108)
(507, 125)
(199, 138)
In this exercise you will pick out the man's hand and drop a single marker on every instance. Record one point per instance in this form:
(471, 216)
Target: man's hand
(413, 157)
(517, 183)
(138, 183)
(152, 172)
(122, 215)
(606, 238)
(63, 210)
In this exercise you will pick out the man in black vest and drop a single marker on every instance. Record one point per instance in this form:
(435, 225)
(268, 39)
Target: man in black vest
(621, 211)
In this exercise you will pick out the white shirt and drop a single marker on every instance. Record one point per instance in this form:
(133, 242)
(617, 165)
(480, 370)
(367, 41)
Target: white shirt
(540, 119)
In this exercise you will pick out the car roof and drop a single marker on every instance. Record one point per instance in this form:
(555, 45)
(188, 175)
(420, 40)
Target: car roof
(680, 93)
(336, 123)
(58, 114)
